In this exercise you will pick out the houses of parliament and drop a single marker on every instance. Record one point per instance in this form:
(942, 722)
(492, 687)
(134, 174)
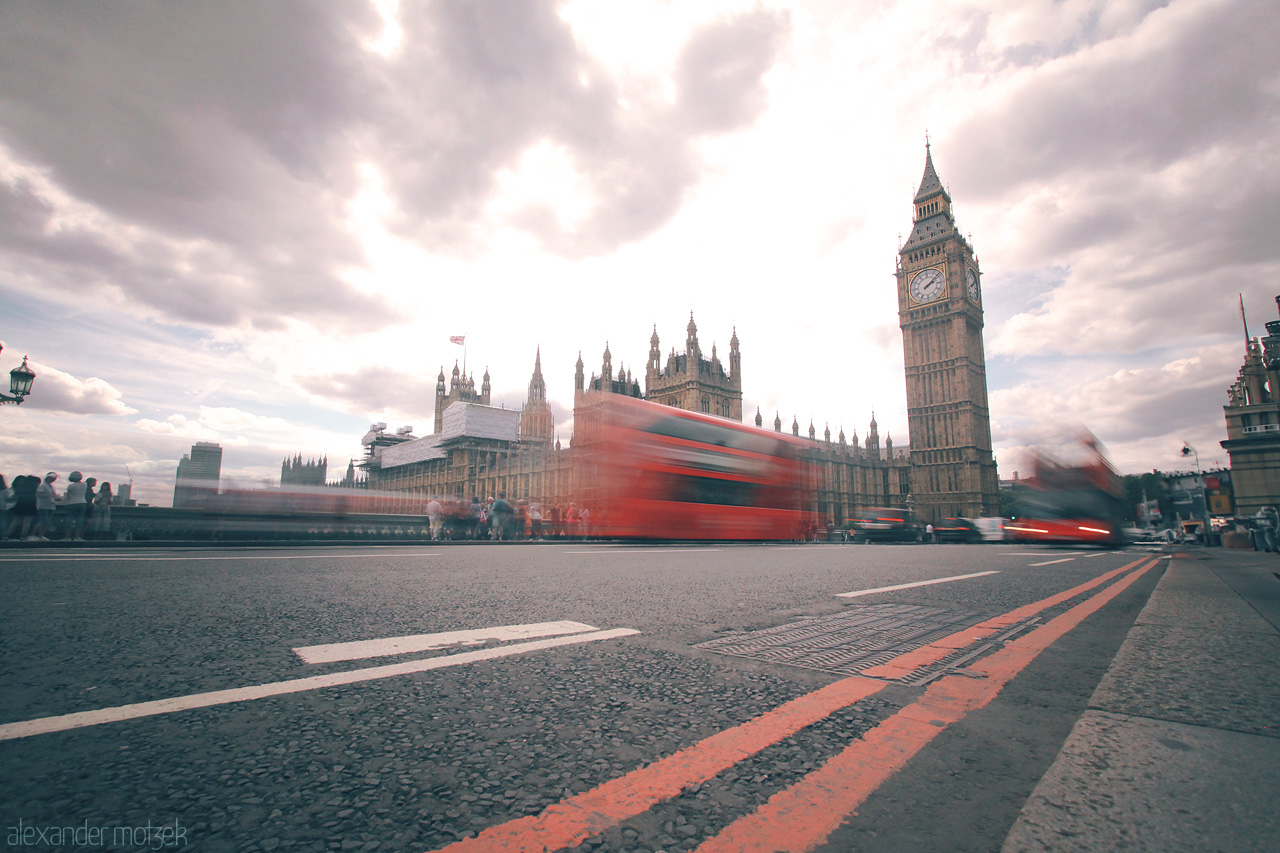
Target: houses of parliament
(476, 449)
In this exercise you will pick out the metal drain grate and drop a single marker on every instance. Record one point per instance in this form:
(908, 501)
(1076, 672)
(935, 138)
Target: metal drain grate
(859, 638)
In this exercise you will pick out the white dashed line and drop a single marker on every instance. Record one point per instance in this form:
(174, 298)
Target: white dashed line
(44, 725)
(910, 585)
(361, 649)
(1051, 562)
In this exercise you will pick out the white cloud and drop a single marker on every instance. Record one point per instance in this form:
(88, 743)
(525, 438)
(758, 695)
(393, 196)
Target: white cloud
(57, 390)
(179, 426)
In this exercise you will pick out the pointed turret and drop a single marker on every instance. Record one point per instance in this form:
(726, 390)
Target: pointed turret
(606, 373)
(759, 420)
(537, 385)
(536, 421)
(735, 362)
(654, 366)
(693, 353)
(930, 184)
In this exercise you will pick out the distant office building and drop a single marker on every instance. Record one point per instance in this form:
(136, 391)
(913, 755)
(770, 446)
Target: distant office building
(199, 473)
(1253, 424)
(124, 496)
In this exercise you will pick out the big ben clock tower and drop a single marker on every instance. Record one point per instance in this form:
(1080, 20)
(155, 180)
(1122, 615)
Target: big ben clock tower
(940, 312)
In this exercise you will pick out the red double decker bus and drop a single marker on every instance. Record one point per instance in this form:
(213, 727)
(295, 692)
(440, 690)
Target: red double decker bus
(1073, 496)
(654, 472)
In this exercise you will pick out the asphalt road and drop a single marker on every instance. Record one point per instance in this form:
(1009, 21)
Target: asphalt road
(498, 727)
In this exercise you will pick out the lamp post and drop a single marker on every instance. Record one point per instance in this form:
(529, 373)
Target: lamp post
(20, 379)
(1189, 450)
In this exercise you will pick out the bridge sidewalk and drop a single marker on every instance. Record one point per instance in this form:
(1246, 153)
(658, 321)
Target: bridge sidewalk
(1180, 747)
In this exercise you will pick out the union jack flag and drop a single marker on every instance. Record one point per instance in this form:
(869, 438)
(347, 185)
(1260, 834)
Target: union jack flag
(460, 340)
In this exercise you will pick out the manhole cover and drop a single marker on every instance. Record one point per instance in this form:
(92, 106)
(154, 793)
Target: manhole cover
(859, 638)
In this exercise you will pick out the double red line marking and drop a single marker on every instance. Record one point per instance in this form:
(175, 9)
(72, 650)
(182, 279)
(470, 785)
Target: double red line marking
(802, 816)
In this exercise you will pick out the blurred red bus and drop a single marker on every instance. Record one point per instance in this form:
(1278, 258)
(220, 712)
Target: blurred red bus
(1073, 495)
(656, 472)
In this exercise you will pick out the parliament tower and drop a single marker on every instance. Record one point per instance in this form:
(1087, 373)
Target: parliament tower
(940, 313)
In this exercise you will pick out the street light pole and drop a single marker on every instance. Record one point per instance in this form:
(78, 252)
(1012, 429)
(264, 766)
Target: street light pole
(1189, 450)
(20, 379)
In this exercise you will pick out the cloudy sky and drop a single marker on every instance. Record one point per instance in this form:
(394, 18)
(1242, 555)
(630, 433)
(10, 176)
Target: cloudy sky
(259, 223)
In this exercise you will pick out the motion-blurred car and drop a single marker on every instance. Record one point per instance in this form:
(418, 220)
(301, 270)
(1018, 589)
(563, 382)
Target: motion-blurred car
(960, 530)
(883, 524)
(990, 529)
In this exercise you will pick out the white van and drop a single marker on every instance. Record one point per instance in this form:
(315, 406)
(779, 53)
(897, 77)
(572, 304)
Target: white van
(992, 529)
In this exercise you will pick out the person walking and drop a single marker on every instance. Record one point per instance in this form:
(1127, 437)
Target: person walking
(102, 512)
(46, 500)
(7, 502)
(520, 521)
(73, 500)
(475, 514)
(23, 514)
(435, 514)
(535, 522)
(89, 494)
(500, 517)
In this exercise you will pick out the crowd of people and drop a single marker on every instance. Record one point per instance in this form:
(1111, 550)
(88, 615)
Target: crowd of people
(28, 506)
(500, 519)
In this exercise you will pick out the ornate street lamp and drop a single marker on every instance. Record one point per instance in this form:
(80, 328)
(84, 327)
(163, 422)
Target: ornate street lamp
(20, 379)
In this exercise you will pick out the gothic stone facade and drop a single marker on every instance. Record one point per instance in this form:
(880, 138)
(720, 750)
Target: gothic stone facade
(1253, 424)
(948, 470)
(520, 458)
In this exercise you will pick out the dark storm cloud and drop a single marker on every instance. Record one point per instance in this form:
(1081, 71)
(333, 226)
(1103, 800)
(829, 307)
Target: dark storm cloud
(207, 139)
(1184, 81)
(1144, 164)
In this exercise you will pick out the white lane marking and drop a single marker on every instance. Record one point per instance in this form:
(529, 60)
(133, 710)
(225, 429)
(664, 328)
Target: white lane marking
(1051, 562)
(80, 558)
(44, 725)
(646, 551)
(1035, 553)
(859, 592)
(359, 649)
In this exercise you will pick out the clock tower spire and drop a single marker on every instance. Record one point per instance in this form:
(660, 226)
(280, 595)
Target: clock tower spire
(940, 313)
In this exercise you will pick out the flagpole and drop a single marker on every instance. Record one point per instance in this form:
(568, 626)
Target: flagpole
(464, 354)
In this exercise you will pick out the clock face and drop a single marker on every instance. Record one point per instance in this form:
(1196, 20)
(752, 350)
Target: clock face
(971, 283)
(928, 285)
